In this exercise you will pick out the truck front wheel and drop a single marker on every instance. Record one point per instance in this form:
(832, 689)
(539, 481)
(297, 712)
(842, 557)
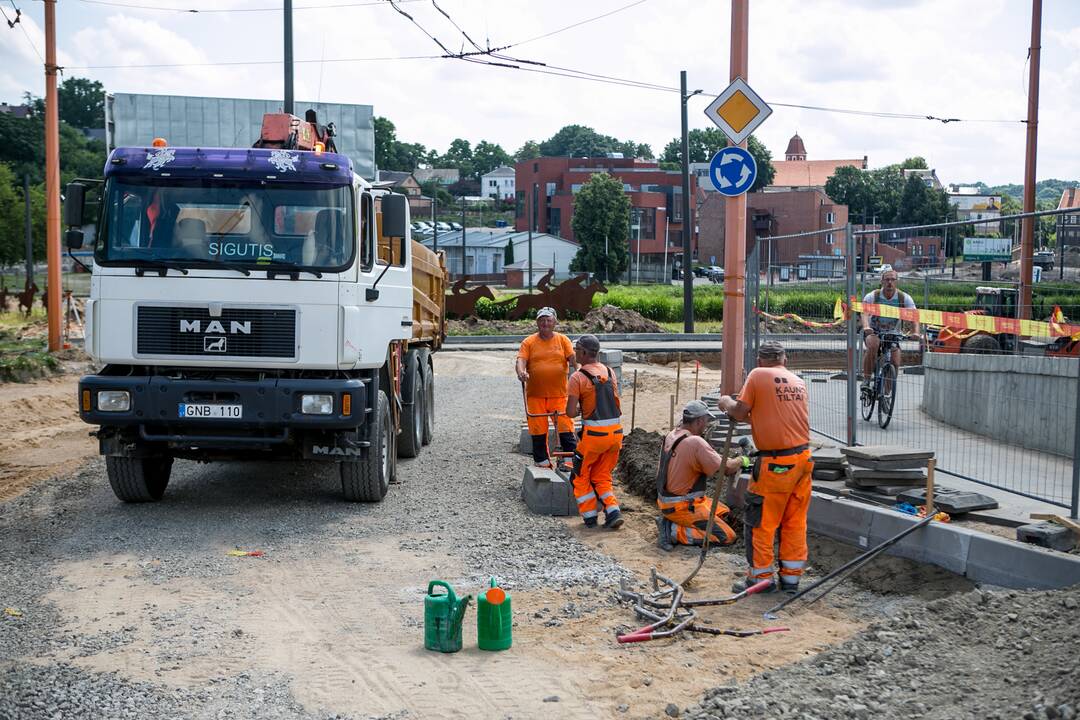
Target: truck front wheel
(139, 479)
(367, 480)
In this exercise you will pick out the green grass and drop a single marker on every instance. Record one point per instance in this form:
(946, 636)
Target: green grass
(23, 359)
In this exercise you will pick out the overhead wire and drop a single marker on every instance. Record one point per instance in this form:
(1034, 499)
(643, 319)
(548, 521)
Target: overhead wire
(201, 11)
(18, 21)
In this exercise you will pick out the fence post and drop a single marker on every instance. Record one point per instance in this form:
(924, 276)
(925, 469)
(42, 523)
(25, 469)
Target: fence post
(852, 383)
(1075, 504)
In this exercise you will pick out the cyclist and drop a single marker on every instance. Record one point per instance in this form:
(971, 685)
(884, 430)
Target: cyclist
(873, 326)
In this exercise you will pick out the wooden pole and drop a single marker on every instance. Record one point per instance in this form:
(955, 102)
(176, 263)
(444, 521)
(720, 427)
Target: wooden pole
(671, 413)
(633, 407)
(678, 375)
(930, 486)
(697, 371)
(52, 179)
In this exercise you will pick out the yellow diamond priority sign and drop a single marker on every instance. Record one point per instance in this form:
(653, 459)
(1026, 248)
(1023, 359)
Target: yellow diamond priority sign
(738, 111)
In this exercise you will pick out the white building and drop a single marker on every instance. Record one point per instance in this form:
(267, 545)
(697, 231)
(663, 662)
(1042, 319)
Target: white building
(485, 251)
(498, 184)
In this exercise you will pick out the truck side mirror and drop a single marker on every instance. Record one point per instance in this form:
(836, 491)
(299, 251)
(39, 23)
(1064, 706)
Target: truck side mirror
(395, 215)
(73, 238)
(74, 205)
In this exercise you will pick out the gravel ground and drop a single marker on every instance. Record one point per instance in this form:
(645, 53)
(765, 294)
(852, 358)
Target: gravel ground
(458, 501)
(980, 656)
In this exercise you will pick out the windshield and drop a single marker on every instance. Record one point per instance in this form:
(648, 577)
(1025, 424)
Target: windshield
(231, 223)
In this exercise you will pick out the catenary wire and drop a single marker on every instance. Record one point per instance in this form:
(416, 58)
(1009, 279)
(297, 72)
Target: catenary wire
(18, 21)
(200, 11)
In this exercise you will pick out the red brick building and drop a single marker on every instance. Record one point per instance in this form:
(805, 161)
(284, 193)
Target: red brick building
(776, 213)
(655, 199)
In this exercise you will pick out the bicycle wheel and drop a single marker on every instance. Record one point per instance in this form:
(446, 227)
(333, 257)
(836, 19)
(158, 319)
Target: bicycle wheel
(887, 399)
(867, 398)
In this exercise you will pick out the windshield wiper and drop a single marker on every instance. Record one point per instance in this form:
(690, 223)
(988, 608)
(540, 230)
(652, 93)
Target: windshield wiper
(162, 267)
(290, 270)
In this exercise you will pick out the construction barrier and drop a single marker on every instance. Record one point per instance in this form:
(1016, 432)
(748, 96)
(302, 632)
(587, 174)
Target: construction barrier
(964, 321)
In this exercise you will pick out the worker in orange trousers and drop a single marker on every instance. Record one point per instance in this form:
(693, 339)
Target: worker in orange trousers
(544, 361)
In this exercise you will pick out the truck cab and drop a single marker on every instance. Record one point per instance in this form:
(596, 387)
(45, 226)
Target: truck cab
(256, 303)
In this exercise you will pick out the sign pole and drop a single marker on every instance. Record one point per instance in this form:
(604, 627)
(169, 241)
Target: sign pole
(735, 228)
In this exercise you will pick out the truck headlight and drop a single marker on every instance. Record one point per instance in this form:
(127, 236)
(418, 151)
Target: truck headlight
(113, 400)
(316, 404)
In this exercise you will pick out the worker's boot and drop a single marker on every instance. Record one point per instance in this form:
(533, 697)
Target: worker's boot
(590, 522)
(663, 534)
(739, 585)
(540, 449)
(789, 586)
(613, 519)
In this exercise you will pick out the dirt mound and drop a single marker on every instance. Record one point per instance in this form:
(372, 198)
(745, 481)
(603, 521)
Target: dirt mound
(973, 655)
(611, 319)
(637, 462)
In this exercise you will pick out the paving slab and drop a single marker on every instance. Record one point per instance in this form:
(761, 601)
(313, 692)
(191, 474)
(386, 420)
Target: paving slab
(827, 474)
(905, 464)
(898, 477)
(889, 491)
(954, 502)
(886, 452)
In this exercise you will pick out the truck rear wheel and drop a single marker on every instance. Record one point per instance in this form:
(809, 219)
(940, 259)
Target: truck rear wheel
(367, 480)
(138, 479)
(412, 405)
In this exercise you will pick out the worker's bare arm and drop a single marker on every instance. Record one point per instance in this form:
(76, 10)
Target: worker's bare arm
(734, 408)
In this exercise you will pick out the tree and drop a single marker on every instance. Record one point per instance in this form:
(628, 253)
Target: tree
(11, 219)
(703, 144)
(458, 156)
(432, 189)
(851, 186)
(601, 225)
(508, 255)
(913, 202)
(529, 151)
(488, 156)
(82, 103)
(391, 153)
(915, 163)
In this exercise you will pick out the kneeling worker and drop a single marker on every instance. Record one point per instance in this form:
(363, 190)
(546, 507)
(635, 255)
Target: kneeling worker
(778, 496)
(595, 391)
(686, 462)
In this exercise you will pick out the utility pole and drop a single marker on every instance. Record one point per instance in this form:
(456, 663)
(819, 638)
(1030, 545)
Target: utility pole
(688, 226)
(288, 59)
(1027, 233)
(52, 178)
(735, 228)
(532, 222)
(462, 236)
(434, 227)
(29, 232)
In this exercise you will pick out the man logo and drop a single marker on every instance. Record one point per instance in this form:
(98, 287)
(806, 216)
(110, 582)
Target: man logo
(214, 344)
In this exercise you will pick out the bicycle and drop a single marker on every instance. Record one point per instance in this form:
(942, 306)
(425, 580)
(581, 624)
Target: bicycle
(882, 388)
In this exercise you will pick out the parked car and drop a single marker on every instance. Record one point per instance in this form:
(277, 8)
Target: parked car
(701, 271)
(1043, 259)
(423, 224)
(883, 268)
(715, 273)
(444, 227)
(455, 226)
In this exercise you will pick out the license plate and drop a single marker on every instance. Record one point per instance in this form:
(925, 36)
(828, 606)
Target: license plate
(207, 410)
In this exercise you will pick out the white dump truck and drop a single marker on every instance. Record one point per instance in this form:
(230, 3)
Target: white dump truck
(256, 303)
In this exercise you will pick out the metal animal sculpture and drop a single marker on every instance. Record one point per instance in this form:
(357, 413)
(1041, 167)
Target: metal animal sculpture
(461, 303)
(26, 297)
(572, 295)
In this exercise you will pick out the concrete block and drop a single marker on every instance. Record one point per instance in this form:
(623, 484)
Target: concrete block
(886, 477)
(996, 561)
(525, 442)
(905, 464)
(937, 544)
(954, 502)
(839, 519)
(545, 493)
(610, 357)
(886, 452)
(827, 474)
(1048, 535)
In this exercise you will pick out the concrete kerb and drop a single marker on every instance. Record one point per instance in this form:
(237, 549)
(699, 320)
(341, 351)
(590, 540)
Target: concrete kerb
(981, 558)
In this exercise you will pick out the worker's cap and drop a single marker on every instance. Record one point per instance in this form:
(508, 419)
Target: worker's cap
(590, 343)
(770, 350)
(695, 409)
(546, 312)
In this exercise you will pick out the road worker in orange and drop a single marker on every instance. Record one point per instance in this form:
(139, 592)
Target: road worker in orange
(594, 390)
(686, 462)
(544, 361)
(774, 399)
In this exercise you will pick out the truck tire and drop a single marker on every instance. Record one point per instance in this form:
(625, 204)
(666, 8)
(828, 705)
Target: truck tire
(411, 437)
(367, 480)
(429, 396)
(981, 344)
(138, 479)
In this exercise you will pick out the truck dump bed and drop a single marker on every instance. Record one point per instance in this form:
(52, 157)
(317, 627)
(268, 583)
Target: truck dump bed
(429, 296)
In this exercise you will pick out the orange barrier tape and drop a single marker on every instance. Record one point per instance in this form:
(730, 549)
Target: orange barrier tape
(963, 321)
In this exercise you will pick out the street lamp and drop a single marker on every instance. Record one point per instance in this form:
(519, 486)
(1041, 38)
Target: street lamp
(688, 276)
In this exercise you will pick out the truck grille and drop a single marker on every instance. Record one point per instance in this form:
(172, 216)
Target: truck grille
(239, 332)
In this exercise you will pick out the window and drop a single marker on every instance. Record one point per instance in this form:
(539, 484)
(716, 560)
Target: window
(519, 203)
(829, 239)
(549, 189)
(830, 218)
(536, 167)
(643, 223)
(493, 183)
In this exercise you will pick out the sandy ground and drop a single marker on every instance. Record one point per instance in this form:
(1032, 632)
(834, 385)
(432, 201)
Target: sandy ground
(41, 435)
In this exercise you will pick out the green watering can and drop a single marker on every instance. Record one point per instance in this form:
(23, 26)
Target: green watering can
(442, 618)
(494, 619)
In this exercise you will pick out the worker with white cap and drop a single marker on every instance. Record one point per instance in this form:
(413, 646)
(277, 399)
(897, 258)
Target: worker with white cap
(543, 364)
(686, 462)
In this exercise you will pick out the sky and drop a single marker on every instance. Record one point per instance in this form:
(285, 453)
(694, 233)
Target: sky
(963, 59)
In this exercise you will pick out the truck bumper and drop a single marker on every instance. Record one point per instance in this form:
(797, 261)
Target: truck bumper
(270, 412)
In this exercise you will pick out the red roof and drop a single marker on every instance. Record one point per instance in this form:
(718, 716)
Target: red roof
(809, 173)
(1070, 198)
